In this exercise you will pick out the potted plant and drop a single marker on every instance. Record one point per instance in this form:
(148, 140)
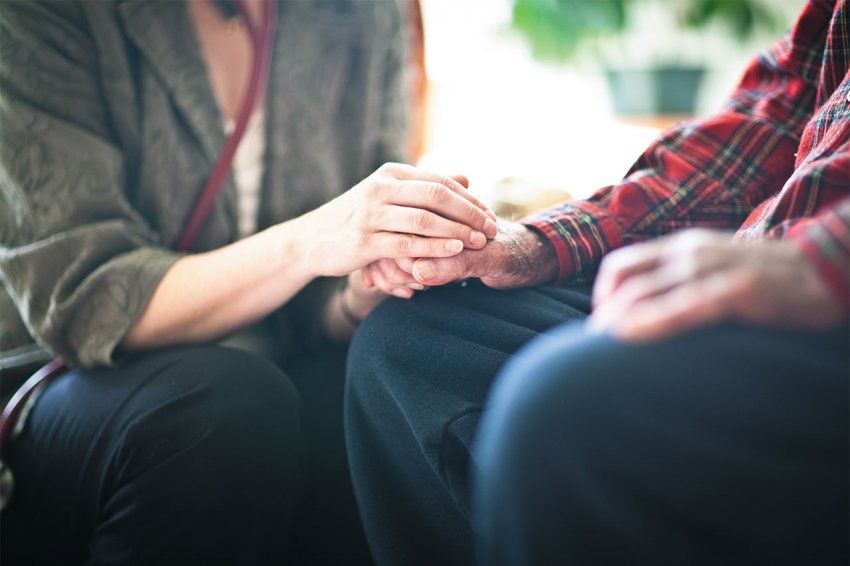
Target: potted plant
(649, 73)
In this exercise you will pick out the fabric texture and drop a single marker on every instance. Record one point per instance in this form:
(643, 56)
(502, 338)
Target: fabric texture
(727, 445)
(191, 455)
(418, 374)
(169, 459)
(248, 166)
(774, 163)
(724, 446)
(110, 127)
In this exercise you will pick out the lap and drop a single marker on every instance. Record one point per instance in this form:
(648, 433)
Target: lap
(428, 363)
(733, 435)
(446, 345)
(93, 433)
(756, 376)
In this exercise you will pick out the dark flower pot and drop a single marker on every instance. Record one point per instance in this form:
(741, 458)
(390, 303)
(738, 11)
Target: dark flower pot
(652, 92)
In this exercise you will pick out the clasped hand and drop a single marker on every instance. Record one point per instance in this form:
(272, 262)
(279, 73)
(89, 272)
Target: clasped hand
(651, 290)
(397, 212)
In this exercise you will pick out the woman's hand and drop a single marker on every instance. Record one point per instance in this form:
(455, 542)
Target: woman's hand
(397, 212)
(687, 280)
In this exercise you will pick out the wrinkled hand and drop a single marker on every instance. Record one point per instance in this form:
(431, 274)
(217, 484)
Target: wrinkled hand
(516, 257)
(698, 277)
(397, 212)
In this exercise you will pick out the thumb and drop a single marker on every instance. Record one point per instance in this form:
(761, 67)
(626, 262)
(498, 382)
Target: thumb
(439, 271)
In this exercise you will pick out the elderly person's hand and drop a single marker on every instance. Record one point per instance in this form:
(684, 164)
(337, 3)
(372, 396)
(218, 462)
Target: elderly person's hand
(697, 277)
(517, 257)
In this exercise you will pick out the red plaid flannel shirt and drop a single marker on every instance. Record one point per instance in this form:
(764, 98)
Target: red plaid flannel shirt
(775, 163)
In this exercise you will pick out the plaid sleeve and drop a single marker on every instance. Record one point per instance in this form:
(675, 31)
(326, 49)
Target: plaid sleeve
(824, 236)
(710, 172)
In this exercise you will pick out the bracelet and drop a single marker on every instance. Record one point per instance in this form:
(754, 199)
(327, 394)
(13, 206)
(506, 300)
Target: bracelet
(346, 310)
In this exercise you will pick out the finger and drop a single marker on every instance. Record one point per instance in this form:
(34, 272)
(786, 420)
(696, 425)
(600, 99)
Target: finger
(641, 286)
(396, 276)
(621, 264)
(436, 198)
(464, 180)
(675, 267)
(383, 245)
(367, 279)
(387, 287)
(411, 173)
(442, 271)
(405, 264)
(690, 306)
(425, 178)
(420, 222)
(663, 280)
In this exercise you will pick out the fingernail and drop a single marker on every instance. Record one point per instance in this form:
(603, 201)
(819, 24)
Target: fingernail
(416, 286)
(477, 239)
(490, 228)
(454, 246)
(423, 270)
(402, 293)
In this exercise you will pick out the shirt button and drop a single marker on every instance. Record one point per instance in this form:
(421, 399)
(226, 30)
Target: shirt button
(848, 97)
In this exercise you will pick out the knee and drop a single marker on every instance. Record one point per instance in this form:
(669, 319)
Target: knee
(559, 400)
(570, 402)
(380, 334)
(384, 340)
(221, 412)
(242, 389)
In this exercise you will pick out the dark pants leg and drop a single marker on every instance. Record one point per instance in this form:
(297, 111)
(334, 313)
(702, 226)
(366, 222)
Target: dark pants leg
(327, 530)
(186, 456)
(728, 445)
(418, 374)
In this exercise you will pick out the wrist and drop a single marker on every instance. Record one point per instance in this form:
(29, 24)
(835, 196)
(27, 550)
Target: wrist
(290, 249)
(358, 300)
(348, 313)
(542, 258)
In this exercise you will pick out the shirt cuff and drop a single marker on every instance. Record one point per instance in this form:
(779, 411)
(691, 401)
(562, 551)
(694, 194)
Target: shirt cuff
(581, 232)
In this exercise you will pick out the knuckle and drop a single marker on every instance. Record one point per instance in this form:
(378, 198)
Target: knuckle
(475, 216)
(363, 238)
(437, 193)
(747, 284)
(377, 189)
(422, 220)
(690, 266)
(404, 246)
(608, 265)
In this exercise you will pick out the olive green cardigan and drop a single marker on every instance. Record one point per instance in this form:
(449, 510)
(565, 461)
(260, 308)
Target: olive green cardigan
(109, 127)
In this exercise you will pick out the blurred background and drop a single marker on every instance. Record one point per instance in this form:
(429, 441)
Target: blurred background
(540, 100)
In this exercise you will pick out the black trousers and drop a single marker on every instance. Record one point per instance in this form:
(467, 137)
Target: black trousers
(419, 377)
(195, 455)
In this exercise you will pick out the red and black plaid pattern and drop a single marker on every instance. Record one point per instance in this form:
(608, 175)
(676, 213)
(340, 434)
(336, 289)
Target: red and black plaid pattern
(775, 162)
